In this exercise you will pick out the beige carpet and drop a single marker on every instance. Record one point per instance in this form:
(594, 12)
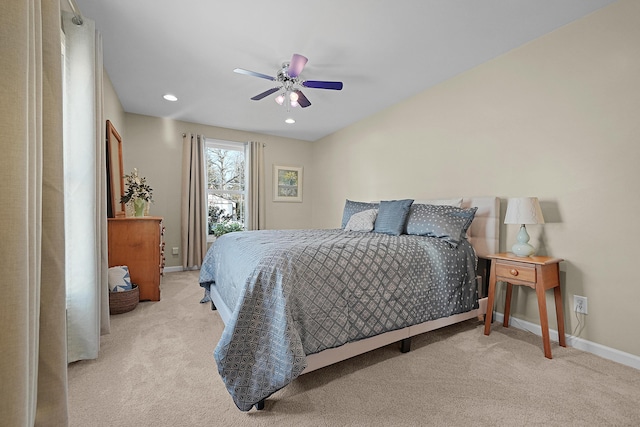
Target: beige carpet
(156, 368)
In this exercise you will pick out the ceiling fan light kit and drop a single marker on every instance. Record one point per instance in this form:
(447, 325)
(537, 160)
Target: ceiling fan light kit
(289, 79)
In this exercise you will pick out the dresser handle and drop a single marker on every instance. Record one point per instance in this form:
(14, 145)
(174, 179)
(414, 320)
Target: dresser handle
(514, 272)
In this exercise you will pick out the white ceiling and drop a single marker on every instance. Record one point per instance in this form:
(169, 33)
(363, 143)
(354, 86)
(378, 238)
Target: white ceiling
(384, 51)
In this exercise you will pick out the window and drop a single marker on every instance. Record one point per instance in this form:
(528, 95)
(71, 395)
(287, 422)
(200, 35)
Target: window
(227, 177)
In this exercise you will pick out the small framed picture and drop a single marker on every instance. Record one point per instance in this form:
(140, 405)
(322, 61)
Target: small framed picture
(287, 183)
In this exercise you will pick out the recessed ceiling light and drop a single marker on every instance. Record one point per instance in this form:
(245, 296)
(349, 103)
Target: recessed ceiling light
(170, 97)
(290, 120)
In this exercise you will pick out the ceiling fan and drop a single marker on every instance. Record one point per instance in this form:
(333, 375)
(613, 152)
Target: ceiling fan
(289, 79)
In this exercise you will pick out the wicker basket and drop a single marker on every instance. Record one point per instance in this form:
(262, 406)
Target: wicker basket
(122, 302)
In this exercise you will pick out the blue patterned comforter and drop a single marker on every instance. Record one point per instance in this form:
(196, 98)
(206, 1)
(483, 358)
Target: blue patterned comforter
(298, 292)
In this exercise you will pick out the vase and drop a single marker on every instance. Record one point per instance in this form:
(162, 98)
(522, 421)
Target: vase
(138, 206)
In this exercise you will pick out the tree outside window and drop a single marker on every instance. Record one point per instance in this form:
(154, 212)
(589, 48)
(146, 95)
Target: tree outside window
(226, 187)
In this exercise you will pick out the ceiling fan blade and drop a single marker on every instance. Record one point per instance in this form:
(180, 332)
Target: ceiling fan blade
(253, 73)
(296, 65)
(317, 84)
(266, 93)
(302, 100)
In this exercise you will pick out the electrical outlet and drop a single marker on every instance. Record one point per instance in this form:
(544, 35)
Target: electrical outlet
(175, 251)
(580, 304)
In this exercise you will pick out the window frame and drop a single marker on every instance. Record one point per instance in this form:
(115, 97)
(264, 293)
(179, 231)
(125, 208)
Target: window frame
(211, 143)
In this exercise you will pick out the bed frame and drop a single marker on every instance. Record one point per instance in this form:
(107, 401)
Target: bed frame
(483, 235)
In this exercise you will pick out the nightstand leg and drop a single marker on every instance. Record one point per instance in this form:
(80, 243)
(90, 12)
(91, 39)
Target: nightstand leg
(560, 316)
(507, 306)
(490, 299)
(544, 321)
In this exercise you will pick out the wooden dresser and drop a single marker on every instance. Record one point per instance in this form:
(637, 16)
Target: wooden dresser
(138, 243)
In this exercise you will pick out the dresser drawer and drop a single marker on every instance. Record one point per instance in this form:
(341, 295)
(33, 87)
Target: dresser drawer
(137, 242)
(515, 272)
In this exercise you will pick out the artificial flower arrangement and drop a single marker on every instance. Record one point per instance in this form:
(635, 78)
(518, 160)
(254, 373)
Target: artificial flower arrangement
(138, 192)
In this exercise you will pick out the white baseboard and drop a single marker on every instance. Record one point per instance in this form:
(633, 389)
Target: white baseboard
(174, 269)
(178, 268)
(575, 342)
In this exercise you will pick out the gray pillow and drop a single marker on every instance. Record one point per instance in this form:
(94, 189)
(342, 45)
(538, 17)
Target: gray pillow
(392, 215)
(445, 222)
(362, 221)
(351, 207)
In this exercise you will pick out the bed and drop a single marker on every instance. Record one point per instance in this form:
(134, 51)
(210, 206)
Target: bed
(294, 301)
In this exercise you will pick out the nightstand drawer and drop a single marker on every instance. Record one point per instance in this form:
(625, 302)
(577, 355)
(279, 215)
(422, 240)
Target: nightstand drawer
(519, 272)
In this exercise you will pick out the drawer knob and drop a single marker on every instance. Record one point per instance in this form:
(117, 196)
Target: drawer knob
(513, 272)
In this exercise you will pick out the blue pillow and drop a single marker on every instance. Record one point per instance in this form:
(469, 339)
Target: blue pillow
(392, 215)
(445, 222)
(351, 207)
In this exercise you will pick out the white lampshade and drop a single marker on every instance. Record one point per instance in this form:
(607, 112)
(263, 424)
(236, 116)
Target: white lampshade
(523, 210)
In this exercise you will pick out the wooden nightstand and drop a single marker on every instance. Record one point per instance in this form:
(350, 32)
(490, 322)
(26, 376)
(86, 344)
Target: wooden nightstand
(537, 272)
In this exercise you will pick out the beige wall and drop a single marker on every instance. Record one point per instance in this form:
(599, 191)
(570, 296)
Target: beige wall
(113, 110)
(558, 119)
(154, 146)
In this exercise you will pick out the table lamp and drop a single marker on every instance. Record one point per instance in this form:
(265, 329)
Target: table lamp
(523, 210)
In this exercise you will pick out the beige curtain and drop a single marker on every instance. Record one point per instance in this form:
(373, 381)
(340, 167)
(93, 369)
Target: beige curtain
(255, 205)
(33, 365)
(193, 227)
(85, 182)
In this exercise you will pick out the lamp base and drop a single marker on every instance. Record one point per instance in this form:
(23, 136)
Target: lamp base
(522, 247)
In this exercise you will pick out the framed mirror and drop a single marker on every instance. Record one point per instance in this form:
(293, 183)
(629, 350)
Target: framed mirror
(115, 168)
